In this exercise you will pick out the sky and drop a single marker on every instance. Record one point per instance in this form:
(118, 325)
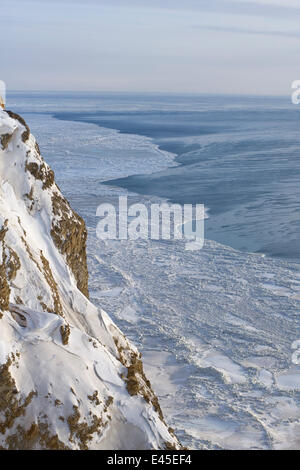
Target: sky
(181, 46)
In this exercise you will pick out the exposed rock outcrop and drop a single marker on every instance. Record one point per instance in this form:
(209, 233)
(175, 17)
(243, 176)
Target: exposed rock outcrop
(69, 235)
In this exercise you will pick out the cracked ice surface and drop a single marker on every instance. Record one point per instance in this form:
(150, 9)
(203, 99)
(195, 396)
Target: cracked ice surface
(216, 328)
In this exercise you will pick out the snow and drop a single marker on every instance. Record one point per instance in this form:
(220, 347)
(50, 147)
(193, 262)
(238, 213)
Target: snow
(62, 376)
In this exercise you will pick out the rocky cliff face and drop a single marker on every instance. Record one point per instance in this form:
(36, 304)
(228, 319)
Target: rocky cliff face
(69, 379)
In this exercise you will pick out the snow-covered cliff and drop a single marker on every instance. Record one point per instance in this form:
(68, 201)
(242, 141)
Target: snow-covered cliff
(69, 379)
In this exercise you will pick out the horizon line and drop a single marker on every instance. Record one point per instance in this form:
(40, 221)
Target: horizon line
(191, 93)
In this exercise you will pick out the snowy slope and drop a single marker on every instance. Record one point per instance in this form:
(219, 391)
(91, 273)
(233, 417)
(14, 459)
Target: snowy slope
(69, 378)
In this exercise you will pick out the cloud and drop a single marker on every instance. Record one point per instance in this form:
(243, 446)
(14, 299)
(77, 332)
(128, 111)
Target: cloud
(233, 29)
(273, 3)
(246, 7)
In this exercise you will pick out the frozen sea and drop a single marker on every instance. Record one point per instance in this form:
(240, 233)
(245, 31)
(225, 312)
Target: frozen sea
(216, 327)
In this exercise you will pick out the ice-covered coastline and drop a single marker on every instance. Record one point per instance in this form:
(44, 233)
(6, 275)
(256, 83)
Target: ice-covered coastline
(69, 378)
(215, 327)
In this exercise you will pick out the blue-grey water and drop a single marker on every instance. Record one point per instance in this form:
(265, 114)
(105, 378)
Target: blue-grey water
(217, 327)
(237, 155)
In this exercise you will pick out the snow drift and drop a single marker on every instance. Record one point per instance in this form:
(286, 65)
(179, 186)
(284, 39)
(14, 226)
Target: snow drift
(69, 379)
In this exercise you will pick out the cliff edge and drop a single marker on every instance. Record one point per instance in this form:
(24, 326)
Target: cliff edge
(69, 378)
